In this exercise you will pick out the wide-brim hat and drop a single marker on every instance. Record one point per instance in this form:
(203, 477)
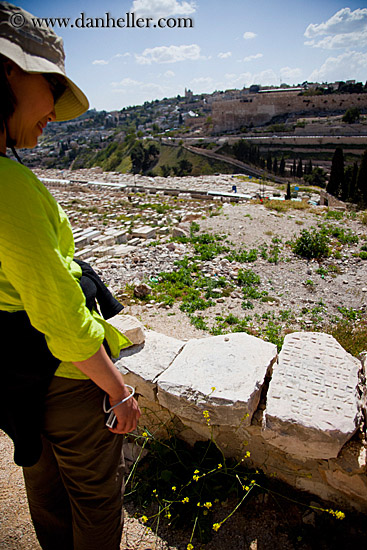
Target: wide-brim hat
(38, 49)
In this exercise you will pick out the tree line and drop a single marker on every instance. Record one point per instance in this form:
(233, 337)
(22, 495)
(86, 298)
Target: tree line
(348, 183)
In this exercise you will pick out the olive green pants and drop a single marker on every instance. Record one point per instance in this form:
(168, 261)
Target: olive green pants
(75, 490)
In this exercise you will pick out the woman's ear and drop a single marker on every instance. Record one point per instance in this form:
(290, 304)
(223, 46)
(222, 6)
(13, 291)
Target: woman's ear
(11, 68)
(8, 65)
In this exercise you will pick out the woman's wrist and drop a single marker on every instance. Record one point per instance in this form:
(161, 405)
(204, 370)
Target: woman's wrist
(118, 394)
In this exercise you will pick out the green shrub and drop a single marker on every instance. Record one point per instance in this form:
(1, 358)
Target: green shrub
(334, 214)
(343, 236)
(312, 244)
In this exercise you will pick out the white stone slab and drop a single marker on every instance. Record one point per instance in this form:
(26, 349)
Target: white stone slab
(123, 250)
(130, 326)
(145, 232)
(141, 365)
(235, 364)
(312, 404)
(120, 236)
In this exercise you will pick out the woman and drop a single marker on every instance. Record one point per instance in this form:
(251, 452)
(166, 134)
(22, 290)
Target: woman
(53, 391)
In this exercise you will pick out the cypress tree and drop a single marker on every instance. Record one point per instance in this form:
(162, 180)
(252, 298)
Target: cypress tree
(294, 168)
(308, 169)
(353, 184)
(282, 167)
(361, 184)
(288, 195)
(269, 163)
(275, 166)
(299, 172)
(336, 180)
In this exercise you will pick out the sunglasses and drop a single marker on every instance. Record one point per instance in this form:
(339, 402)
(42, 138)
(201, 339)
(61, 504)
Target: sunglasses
(57, 85)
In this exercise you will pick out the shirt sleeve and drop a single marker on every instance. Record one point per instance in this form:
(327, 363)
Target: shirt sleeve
(35, 266)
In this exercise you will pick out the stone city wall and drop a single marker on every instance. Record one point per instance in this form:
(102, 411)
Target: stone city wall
(260, 108)
(300, 413)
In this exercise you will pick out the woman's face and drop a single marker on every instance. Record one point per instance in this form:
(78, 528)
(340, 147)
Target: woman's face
(34, 107)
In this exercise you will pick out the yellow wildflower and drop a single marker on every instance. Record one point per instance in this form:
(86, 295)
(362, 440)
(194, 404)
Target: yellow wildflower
(220, 466)
(198, 504)
(216, 526)
(196, 472)
(247, 488)
(208, 505)
(186, 499)
(336, 513)
(190, 547)
(144, 519)
(144, 434)
(195, 478)
(213, 388)
(173, 488)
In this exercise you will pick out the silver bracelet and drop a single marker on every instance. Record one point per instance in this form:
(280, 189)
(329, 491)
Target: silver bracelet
(120, 402)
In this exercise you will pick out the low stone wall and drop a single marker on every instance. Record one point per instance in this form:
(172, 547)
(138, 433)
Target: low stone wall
(329, 200)
(300, 413)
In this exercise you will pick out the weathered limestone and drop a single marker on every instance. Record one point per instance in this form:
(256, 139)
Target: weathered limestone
(176, 382)
(312, 405)
(179, 232)
(130, 326)
(145, 232)
(236, 365)
(141, 365)
(123, 250)
(142, 289)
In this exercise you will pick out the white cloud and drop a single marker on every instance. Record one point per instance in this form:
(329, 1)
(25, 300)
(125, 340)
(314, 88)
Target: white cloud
(100, 62)
(204, 84)
(290, 75)
(126, 54)
(348, 65)
(351, 40)
(251, 57)
(267, 77)
(162, 8)
(345, 29)
(249, 35)
(169, 74)
(224, 55)
(125, 83)
(169, 54)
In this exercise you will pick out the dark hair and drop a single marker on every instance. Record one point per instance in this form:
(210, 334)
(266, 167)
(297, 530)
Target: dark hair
(7, 97)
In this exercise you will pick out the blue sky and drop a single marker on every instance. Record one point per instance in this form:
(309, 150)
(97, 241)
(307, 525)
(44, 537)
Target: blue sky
(232, 44)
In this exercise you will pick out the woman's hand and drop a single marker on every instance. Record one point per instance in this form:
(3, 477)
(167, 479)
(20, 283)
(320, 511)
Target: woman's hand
(103, 372)
(127, 414)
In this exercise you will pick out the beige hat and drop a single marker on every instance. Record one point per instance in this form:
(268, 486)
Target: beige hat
(39, 50)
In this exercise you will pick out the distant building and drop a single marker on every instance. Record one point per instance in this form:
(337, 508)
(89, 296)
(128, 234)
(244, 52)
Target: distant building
(256, 109)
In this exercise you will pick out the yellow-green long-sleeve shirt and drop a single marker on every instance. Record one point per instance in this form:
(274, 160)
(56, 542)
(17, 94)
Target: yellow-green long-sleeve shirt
(37, 272)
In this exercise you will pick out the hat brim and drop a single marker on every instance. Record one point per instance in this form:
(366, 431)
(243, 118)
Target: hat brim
(72, 102)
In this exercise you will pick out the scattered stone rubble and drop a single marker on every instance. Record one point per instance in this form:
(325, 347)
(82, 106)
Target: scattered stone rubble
(108, 224)
(306, 426)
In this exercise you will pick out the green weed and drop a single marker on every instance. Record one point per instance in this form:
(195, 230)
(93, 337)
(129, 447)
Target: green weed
(311, 244)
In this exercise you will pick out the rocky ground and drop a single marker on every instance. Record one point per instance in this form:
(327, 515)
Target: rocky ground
(298, 294)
